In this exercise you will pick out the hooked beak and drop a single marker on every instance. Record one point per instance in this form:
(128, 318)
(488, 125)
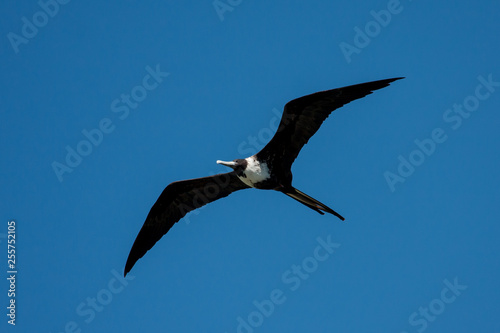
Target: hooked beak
(231, 164)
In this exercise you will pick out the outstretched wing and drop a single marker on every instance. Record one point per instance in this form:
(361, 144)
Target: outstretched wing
(176, 200)
(303, 116)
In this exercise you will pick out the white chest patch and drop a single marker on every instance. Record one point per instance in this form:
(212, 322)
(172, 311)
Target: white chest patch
(255, 172)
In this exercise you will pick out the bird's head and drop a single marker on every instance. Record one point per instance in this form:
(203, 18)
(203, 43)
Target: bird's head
(237, 165)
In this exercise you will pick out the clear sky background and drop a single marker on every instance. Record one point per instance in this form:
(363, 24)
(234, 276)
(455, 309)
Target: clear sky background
(417, 253)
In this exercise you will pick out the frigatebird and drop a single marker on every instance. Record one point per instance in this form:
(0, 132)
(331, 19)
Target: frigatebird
(269, 169)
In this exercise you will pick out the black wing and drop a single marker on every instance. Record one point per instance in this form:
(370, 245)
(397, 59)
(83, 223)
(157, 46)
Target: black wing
(303, 116)
(176, 200)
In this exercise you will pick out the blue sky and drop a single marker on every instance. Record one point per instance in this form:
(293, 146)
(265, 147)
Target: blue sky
(147, 94)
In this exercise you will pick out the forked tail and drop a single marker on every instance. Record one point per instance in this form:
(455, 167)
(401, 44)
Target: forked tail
(310, 202)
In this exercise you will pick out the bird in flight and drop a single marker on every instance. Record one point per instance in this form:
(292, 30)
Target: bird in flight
(269, 169)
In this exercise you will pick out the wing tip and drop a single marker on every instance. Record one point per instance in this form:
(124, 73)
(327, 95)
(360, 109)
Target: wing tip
(127, 269)
(338, 215)
(389, 81)
(395, 79)
(376, 85)
(131, 260)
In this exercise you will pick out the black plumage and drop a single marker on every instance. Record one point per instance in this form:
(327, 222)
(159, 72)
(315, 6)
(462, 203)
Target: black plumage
(268, 169)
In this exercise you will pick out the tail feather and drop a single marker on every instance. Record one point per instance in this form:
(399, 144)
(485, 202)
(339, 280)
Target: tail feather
(310, 202)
